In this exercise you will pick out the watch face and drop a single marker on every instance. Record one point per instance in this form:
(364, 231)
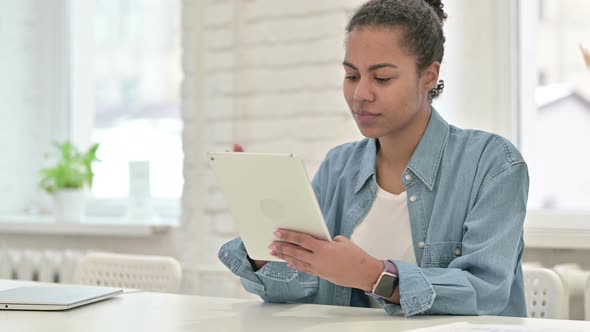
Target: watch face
(386, 286)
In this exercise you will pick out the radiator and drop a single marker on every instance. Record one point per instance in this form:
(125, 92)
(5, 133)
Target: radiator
(39, 265)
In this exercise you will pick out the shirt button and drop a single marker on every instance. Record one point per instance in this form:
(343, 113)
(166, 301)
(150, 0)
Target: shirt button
(421, 245)
(409, 177)
(458, 251)
(413, 198)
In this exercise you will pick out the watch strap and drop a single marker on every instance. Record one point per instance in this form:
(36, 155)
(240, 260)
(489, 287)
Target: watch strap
(390, 267)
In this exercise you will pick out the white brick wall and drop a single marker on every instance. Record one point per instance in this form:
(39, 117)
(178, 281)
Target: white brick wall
(273, 84)
(189, 238)
(267, 75)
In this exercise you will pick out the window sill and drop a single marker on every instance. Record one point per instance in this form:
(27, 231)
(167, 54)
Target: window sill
(91, 226)
(557, 230)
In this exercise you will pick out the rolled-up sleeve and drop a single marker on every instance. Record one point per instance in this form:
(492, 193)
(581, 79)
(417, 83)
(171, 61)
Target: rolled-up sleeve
(274, 282)
(479, 281)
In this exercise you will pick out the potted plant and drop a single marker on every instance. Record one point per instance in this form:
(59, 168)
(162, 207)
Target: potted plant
(67, 180)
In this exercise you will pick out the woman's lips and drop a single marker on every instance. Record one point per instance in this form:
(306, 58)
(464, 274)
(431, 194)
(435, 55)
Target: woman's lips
(364, 117)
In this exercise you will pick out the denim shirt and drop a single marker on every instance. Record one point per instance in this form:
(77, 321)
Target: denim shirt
(466, 193)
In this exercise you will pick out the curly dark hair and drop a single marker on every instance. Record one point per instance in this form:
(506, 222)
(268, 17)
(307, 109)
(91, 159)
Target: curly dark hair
(422, 21)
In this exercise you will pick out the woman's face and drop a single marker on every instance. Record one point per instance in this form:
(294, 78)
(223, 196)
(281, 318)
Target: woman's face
(381, 86)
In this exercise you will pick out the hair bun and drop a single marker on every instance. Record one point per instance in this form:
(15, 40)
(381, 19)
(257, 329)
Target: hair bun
(437, 5)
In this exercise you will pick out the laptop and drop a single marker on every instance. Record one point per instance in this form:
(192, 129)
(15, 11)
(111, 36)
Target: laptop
(50, 298)
(266, 192)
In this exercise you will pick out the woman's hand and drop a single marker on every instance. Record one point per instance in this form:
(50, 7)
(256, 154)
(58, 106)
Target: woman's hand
(340, 261)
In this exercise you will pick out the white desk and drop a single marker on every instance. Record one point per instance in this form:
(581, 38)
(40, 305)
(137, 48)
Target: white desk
(144, 311)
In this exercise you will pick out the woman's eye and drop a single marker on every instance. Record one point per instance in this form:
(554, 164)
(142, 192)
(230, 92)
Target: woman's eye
(382, 79)
(351, 77)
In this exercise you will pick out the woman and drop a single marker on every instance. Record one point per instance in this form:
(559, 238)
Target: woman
(427, 217)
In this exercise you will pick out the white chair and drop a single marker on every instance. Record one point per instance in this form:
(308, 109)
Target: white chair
(574, 282)
(587, 300)
(151, 273)
(544, 293)
(532, 264)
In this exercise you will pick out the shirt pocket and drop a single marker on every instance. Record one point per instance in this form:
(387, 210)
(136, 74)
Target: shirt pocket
(441, 254)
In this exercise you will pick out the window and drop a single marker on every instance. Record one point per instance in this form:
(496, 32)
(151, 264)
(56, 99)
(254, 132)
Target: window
(555, 102)
(104, 71)
(137, 77)
(125, 82)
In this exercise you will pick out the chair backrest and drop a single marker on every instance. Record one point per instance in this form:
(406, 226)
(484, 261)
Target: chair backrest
(151, 273)
(574, 280)
(545, 294)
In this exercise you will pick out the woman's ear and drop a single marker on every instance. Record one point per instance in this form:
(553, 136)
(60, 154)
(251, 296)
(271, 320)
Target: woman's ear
(430, 76)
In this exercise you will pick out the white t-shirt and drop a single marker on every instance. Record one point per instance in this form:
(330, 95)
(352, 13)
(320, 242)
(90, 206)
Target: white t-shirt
(385, 232)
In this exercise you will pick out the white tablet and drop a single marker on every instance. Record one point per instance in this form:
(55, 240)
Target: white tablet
(266, 192)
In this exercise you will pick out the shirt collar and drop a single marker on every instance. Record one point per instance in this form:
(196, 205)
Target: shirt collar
(367, 169)
(425, 160)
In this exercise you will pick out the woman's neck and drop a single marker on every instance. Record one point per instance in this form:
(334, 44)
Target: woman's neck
(396, 150)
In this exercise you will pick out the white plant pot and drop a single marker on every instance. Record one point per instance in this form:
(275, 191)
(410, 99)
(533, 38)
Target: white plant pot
(70, 205)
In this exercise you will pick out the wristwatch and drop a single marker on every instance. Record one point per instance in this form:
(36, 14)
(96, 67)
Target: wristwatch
(386, 283)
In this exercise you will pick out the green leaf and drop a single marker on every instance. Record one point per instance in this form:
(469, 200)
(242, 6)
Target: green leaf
(72, 169)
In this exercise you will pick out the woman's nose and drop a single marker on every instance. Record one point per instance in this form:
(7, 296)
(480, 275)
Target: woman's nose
(363, 92)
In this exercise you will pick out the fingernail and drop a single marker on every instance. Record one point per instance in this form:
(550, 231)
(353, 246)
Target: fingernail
(272, 247)
(277, 234)
(289, 265)
(273, 253)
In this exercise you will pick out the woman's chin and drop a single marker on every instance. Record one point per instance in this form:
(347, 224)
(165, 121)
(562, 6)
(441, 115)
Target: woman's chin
(369, 132)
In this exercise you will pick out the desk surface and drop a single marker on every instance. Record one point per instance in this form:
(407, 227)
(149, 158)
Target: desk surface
(145, 311)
